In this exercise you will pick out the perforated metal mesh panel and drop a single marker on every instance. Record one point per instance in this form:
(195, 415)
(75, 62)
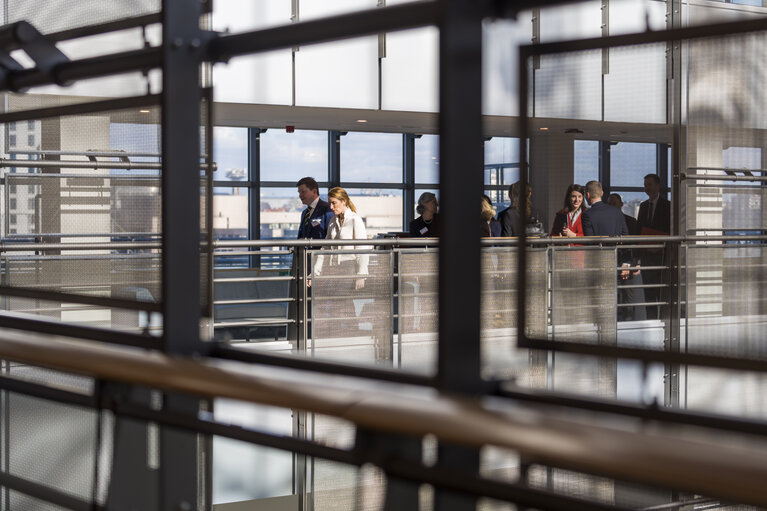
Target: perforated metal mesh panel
(584, 294)
(33, 448)
(727, 301)
(351, 312)
(67, 14)
(418, 306)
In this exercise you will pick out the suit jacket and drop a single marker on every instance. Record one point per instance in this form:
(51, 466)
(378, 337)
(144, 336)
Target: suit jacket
(511, 224)
(604, 220)
(661, 220)
(316, 226)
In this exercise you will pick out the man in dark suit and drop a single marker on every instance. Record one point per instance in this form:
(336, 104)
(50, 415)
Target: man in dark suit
(317, 215)
(655, 212)
(654, 219)
(631, 294)
(603, 220)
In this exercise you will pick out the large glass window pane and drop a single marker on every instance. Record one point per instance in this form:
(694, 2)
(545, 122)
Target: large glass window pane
(241, 80)
(427, 159)
(635, 87)
(371, 157)
(743, 158)
(630, 162)
(586, 161)
(311, 9)
(381, 210)
(500, 40)
(291, 156)
(630, 16)
(574, 21)
(502, 150)
(243, 15)
(340, 74)
(409, 73)
(280, 212)
(230, 220)
(230, 152)
(569, 86)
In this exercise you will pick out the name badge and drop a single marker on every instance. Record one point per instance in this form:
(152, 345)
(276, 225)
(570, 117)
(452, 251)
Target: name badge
(316, 222)
(424, 230)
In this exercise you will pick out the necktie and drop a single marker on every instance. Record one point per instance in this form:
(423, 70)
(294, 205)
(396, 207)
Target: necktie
(308, 214)
(651, 213)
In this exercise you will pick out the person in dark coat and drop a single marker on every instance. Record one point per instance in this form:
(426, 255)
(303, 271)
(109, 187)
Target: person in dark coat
(631, 294)
(603, 220)
(654, 220)
(427, 224)
(317, 215)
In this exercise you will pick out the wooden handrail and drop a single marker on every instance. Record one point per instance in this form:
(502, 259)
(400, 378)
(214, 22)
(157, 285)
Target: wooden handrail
(656, 456)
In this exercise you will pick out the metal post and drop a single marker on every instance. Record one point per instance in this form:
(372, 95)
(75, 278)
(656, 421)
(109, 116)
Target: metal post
(334, 158)
(182, 52)
(461, 163)
(408, 178)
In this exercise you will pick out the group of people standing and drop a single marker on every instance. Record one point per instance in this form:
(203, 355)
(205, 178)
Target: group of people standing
(338, 219)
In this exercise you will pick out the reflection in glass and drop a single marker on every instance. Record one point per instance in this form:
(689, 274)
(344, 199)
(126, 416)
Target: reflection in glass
(371, 157)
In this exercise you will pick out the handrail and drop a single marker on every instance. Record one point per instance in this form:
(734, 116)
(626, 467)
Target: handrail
(623, 241)
(540, 435)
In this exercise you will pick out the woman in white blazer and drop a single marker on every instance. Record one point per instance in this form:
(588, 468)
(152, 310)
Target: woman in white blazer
(345, 225)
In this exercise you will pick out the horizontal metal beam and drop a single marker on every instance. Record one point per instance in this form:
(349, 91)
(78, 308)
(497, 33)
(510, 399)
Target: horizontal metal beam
(645, 355)
(602, 446)
(82, 108)
(708, 31)
(416, 472)
(103, 28)
(50, 327)
(46, 493)
(344, 26)
(59, 296)
(319, 366)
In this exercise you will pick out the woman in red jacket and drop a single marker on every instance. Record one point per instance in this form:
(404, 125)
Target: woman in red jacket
(567, 221)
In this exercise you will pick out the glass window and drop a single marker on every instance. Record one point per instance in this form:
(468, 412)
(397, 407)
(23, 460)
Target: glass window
(502, 150)
(12, 219)
(630, 162)
(427, 159)
(244, 15)
(311, 9)
(500, 39)
(12, 189)
(409, 73)
(281, 212)
(631, 202)
(291, 156)
(635, 87)
(230, 152)
(12, 140)
(241, 79)
(30, 125)
(31, 204)
(586, 161)
(371, 157)
(381, 210)
(31, 140)
(339, 74)
(12, 203)
(499, 198)
(12, 126)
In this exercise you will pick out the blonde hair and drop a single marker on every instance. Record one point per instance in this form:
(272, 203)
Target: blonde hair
(488, 213)
(339, 193)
